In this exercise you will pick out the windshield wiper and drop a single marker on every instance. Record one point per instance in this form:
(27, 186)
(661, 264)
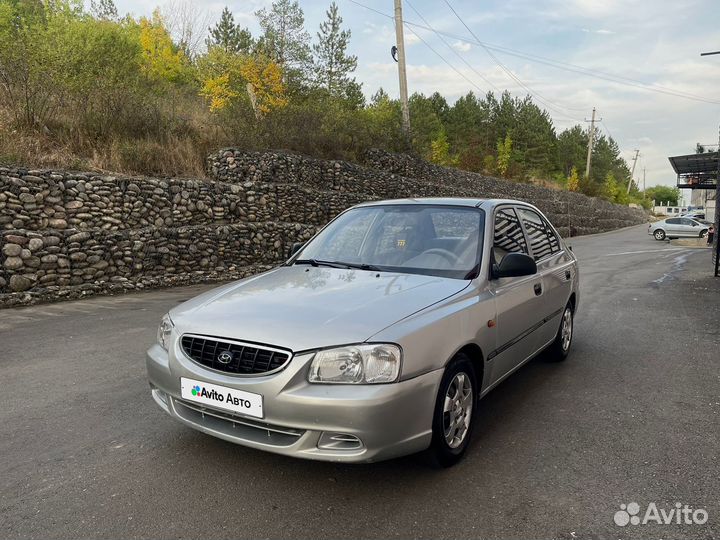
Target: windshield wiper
(317, 262)
(361, 266)
(338, 264)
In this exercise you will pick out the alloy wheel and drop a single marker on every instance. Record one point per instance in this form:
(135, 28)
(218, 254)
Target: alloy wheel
(457, 409)
(566, 329)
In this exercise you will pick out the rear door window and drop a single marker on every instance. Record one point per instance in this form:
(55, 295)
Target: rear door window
(543, 241)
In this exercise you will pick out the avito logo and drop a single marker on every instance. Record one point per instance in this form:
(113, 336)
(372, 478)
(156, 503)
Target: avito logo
(680, 514)
(203, 392)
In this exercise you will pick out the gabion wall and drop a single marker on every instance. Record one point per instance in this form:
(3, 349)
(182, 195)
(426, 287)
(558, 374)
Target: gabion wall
(68, 234)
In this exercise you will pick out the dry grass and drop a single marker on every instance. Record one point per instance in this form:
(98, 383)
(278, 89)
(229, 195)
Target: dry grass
(176, 156)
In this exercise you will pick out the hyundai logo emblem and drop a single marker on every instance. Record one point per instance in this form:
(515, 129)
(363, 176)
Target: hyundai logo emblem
(225, 357)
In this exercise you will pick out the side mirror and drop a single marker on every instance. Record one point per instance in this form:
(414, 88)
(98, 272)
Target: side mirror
(297, 246)
(515, 265)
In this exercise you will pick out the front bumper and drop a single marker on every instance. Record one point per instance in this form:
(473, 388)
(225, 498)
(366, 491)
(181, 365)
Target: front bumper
(388, 420)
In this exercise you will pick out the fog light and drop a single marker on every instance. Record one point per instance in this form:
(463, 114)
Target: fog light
(339, 441)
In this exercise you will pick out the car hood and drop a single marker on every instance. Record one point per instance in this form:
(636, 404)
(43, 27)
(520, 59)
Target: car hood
(301, 307)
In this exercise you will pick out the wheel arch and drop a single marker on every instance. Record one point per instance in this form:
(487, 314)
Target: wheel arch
(474, 352)
(573, 301)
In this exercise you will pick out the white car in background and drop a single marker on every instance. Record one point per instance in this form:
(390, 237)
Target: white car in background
(678, 227)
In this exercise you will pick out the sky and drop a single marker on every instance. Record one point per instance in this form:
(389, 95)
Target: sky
(656, 42)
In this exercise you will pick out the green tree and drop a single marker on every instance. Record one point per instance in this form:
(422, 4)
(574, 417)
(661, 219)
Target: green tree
(572, 149)
(663, 195)
(504, 154)
(426, 123)
(332, 64)
(284, 38)
(613, 191)
(440, 151)
(228, 35)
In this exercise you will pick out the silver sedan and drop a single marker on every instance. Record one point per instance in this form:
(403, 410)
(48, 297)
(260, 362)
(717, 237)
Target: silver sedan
(378, 337)
(679, 227)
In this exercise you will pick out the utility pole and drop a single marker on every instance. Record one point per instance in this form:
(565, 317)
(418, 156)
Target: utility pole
(399, 36)
(643, 180)
(716, 239)
(590, 144)
(632, 173)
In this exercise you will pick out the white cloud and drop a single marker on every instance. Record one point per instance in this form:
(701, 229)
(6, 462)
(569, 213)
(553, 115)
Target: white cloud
(462, 46)
(601, 31)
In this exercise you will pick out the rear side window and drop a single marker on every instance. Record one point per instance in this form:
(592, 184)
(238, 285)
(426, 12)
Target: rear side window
(508, 235)
(673, 221)
(542, 238)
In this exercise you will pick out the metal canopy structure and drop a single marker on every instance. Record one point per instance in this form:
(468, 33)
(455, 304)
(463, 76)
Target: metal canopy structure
(696, 171)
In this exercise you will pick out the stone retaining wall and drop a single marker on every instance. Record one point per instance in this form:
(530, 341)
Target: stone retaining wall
(69, 234)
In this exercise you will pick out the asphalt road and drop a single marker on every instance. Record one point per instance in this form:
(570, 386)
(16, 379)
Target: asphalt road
(632, 416)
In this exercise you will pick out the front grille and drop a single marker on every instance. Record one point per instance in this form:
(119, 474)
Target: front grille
(243, 359)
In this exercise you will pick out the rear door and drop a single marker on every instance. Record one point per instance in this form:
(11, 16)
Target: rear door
(517, 301)
(555, 268)
(672, 227)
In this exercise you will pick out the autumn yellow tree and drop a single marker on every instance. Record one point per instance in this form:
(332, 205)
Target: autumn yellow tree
(573, 181)
(163, 60)
(229, 78)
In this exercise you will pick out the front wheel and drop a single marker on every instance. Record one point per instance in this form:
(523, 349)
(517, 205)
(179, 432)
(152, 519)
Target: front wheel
(560, 348)
(703, 233)
(454, 416)
(659, 234)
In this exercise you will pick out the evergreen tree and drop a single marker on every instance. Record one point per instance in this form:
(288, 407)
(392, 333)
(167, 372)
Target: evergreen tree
(228, 35)
(332, 63)
(285, 39)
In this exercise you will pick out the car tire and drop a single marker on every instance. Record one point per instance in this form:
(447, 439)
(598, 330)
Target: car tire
(560, 348)
(703, 233)
(659, 234)
(449, 441)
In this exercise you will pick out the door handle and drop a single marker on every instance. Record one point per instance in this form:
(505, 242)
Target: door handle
(538, 289)
(567, 275)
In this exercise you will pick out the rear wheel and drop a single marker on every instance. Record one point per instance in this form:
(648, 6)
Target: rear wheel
(560, 348)
(454, 412)
(659, 234)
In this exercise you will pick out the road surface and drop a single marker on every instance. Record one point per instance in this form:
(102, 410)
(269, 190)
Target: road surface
(632, 416)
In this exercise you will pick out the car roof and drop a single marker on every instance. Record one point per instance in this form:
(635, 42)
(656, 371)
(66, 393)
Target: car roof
(445, 201)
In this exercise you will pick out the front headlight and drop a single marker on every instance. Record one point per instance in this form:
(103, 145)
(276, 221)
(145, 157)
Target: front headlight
(357, 364)
(164, 331)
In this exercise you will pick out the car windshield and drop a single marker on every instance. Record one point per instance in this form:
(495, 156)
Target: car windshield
(411, 238)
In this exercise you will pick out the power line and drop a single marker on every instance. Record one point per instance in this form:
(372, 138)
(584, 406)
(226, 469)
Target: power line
(462, 74)
(445, 60)
(604, 125)
(558, 113)
(452, 48)
(508, 71)
(566, 66)
(543, 101)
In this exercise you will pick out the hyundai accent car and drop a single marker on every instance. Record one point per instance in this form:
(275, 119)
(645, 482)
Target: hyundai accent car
(679, 227)
(375, 339)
